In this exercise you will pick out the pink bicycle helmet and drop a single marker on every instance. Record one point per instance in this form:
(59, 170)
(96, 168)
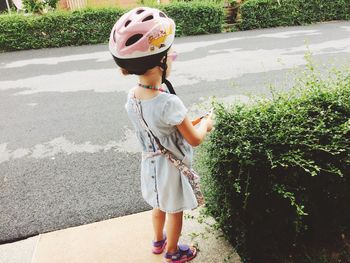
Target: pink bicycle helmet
(141, 32)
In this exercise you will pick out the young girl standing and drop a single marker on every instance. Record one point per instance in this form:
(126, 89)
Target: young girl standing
(141, 43)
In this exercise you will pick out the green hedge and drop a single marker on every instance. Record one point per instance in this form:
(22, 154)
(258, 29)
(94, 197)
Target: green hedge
(195, 18)
(272, 13)
(56, 29)
(93, 26)
(276, 174)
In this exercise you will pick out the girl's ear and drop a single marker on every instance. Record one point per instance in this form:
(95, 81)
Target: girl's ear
(124, 71)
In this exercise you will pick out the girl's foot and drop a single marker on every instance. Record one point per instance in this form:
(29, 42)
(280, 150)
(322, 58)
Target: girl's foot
(158, 246)
(182, 255)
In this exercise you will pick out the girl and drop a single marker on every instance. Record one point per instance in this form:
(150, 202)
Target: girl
(140, 43)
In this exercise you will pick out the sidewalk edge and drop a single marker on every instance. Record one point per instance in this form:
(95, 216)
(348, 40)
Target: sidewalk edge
(35, 249)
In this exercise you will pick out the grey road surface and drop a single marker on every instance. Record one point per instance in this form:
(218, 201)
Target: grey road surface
(68, 155)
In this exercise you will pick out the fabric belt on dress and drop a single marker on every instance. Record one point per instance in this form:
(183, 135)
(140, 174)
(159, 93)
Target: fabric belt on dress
(146, 155)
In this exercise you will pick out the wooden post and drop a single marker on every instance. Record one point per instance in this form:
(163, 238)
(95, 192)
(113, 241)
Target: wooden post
(239, 17)
(8, 6)
(63, 4)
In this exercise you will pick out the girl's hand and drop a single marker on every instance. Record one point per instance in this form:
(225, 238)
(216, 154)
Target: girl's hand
(198, 120)
(209, 121)
(192, 135)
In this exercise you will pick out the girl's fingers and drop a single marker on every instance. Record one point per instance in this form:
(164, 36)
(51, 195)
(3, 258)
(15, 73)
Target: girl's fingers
(210, 115)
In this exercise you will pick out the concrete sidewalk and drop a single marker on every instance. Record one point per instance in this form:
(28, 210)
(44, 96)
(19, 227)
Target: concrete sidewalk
(121, 240)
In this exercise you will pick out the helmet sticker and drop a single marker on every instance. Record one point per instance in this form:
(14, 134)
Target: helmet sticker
(157, 39)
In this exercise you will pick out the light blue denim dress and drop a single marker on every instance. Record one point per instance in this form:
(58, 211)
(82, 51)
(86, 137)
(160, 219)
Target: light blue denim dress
(163, 186)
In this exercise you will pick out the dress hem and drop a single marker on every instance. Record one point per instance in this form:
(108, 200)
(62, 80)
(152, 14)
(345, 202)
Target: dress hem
(177, 211)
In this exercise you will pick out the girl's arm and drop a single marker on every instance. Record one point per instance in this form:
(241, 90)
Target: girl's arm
(195, 136)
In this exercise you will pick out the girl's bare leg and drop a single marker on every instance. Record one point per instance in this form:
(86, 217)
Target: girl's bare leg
(158, 220)
(173, 230)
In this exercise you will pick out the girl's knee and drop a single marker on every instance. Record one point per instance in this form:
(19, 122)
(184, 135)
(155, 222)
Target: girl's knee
(177, 214)
(158, 212)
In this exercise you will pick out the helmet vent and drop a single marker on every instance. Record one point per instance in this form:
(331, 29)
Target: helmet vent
(113, 34)
(139, 11)
(127, 23)
(147, 18)
(133, 39)
(162, 14)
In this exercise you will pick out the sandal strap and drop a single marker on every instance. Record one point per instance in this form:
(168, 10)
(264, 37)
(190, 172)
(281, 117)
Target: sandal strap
(183, 250)
(160, 242)
(172, 256)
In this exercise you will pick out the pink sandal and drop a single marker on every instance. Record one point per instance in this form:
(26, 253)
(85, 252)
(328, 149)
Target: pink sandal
(158, 246)
(182, 255)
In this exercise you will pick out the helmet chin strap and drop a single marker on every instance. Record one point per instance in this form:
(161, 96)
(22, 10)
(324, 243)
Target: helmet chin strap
(169, 86)
(164, 66)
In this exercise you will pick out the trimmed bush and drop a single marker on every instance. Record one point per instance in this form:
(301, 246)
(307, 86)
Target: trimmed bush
(195, 18)
(92, 26)
(276, 174)
(272, 13)
(57, 29)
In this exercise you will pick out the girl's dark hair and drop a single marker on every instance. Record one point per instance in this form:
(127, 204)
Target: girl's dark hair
(139, 66)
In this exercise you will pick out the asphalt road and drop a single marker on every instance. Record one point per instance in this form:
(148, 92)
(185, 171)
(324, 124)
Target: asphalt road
(68, 155)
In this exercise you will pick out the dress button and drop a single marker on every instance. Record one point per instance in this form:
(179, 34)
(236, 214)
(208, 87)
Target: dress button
(152, 161)
(152, 176)
(150, 146)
